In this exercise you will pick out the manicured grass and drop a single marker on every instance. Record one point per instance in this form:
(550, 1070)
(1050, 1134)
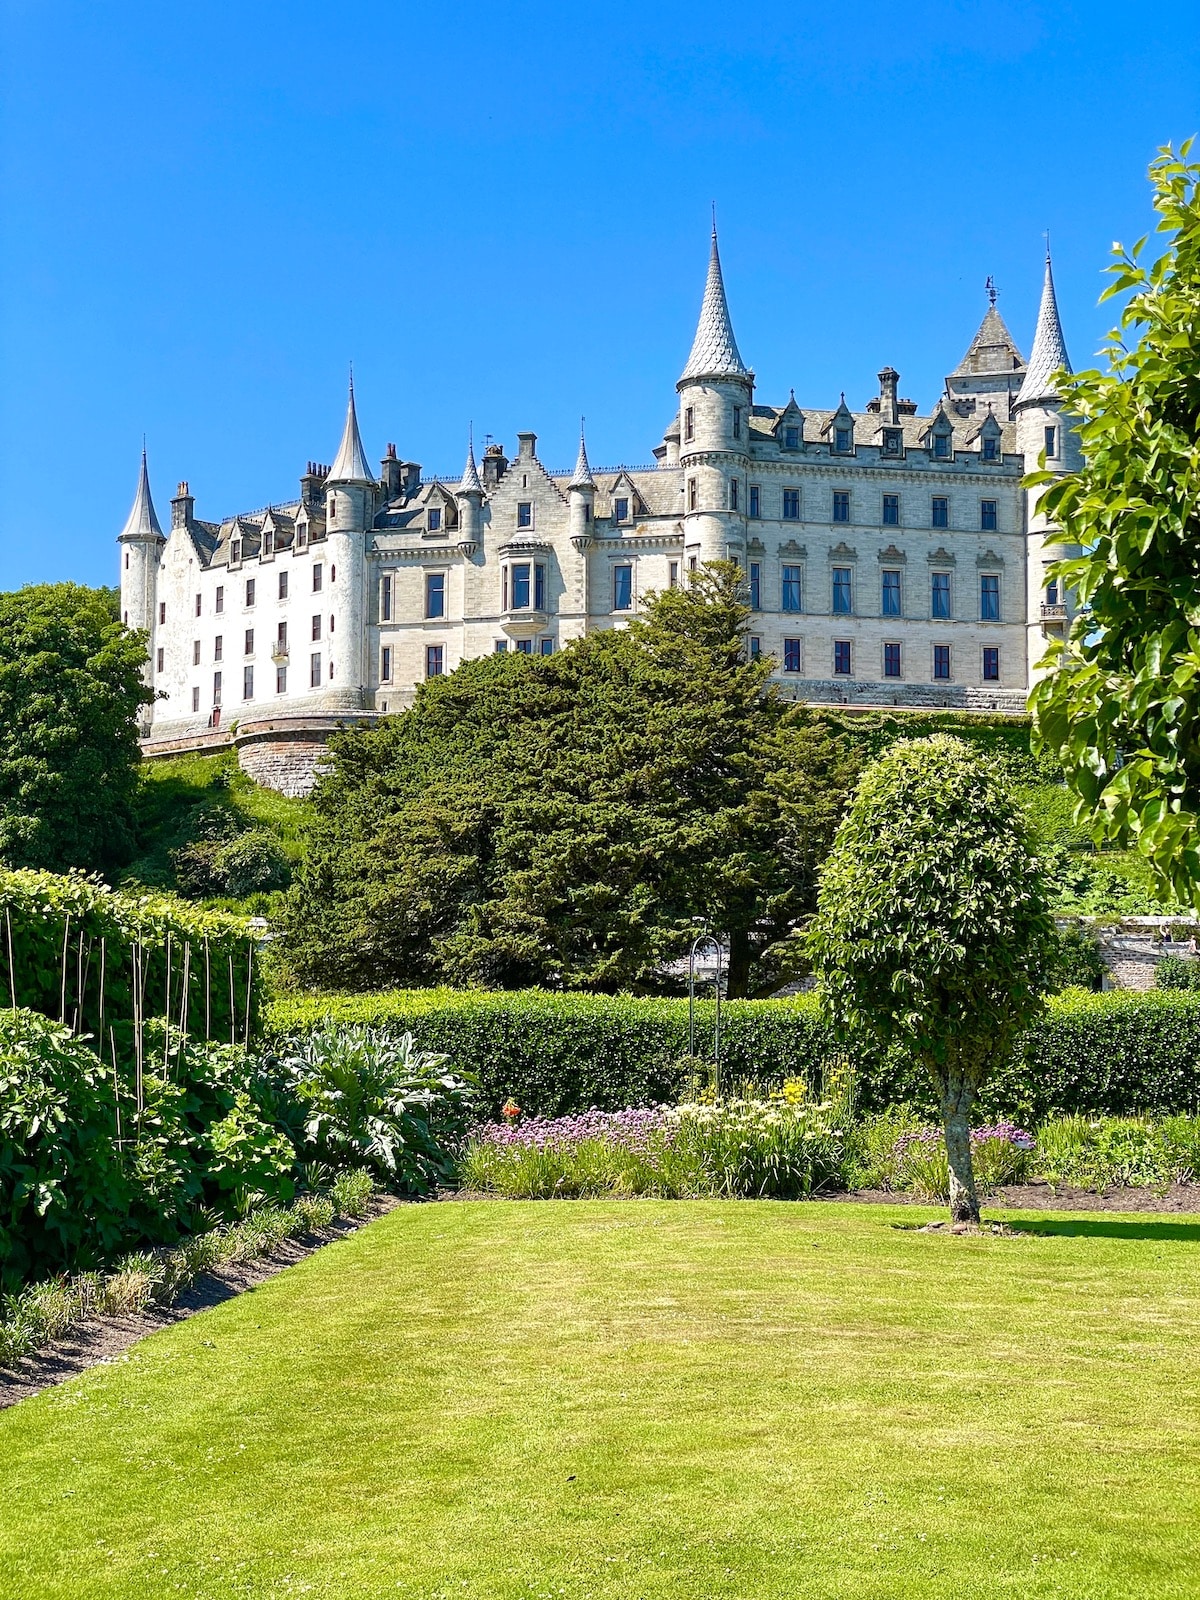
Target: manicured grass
(642, 1400)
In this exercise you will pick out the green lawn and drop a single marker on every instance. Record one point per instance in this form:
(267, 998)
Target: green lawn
(642, 1400)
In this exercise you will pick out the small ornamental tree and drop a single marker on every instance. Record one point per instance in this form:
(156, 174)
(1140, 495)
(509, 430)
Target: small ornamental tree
(932, 930)
(1121, 706)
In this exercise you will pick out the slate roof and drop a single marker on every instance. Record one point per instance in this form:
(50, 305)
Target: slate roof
(1049, 348)
(714, 350)
(142, 522)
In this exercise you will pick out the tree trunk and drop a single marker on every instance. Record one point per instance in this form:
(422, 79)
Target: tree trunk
(738, 981)
(957, 1101)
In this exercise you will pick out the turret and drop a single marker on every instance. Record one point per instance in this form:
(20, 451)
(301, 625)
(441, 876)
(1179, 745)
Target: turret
(716, 392)
(141, 541)
(470, 504)
(1043, 428)
(581, 492)
(350, 503)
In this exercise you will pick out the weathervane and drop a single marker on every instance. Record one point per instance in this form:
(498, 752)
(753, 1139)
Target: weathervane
(992, 291)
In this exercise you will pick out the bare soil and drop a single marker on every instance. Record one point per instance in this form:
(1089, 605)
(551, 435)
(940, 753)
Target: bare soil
(104, 1339)
(1042, 1196)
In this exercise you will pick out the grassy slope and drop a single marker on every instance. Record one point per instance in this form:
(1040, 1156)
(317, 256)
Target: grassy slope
(641, 1400)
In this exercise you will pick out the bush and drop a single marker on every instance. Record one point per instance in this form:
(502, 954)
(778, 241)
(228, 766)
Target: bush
(1098, 1054)
(1176, 972)
(1077, 962)
(371, 1100)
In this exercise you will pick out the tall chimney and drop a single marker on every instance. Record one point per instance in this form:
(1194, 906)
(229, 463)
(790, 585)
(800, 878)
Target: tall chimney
(888, 379)
(182, 507)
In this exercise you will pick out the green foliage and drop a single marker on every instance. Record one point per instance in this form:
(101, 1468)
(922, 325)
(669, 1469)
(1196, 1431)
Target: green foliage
(1113, 1152)
(1174, 972)
(78, 947)
(1121, 709)
(566, 820)
(932, 933)
(1075, 959)
(373, 1100)
(71, 691)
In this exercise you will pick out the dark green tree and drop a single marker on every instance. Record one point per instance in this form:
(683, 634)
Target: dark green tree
(932, 931)
(566, 820)
(71, 688)
(1121, 707)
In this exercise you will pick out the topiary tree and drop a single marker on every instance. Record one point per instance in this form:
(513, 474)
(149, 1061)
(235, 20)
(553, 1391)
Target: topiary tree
(932, 930)
(1121, 707)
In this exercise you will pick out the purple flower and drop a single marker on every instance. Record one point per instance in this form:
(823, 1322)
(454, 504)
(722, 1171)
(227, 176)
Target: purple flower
(630, 1129)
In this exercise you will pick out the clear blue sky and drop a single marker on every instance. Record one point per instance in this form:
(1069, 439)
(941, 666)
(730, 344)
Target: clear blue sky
(500, 213)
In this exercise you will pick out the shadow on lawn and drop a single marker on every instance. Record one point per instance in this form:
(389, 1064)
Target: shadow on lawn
(1102, 1228)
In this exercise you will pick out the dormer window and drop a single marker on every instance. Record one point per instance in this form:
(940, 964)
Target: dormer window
(941, 446)
(235, 552)
(268, 547)
(843, 439)
(301, 535)
(524, 514)
(892, 441)
(621, 510)
(435, 518)
(791, 438)
(990, 447)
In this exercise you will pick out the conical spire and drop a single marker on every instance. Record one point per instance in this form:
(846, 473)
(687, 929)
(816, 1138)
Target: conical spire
(142, 522)
(714, 350)
(470, 479)
(992, 350)
(582, 478)
(1049, 348)
(350, 464)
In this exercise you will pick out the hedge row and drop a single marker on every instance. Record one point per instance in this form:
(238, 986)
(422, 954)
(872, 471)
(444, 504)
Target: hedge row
(1094, 1054)
(99, 960)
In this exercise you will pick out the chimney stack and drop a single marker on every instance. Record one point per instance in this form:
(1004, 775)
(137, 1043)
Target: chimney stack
(182, 507)
(888, 404)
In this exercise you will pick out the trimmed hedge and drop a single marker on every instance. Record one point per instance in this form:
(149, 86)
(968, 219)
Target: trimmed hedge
(1094, 1054)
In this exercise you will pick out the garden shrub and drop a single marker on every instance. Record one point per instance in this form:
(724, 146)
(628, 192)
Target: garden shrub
(1176, 972)
(1077, 962)
(1099, 1054)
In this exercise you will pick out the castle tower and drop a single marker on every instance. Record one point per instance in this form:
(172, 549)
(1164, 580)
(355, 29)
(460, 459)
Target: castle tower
(716, 392)
(470, 504)
(1043, 429)
(141, 541)
(350, 504)
(581, 492)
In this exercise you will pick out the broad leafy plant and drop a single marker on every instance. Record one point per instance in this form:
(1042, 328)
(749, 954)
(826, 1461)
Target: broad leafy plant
(1121, 707)
(376, 1101)
(932, 932)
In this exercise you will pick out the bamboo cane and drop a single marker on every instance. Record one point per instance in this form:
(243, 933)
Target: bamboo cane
(12, 971)
(249, 986)
(62, 998)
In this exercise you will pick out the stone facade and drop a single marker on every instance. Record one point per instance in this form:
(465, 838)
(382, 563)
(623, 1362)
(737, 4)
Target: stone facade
(893, 558)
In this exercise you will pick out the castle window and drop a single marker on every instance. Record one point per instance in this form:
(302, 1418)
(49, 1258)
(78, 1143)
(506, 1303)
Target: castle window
(314, 671)
(501, 646)
(990, 443)
(235, 552)
(941, 446)
(733, 494)
(435, 594)
(791, 505)
(841, 658)
(843, 594)
(939, 597)
(196, 699)
(316, 628)
(283, 585)
(520, 586)
(791, 438)
(987, 516)
(991, 664)
(331, 669)
(249, 650)
(281, 643)
(689, 423)
(385, 664)
(1052, 592)
(941, 512)
(755, 647)
(127, 561)
(162, 610)
(281, 678)
(250, 591)
(197, 605)
(525, 514)
(791, 590)
(333, 573)
(756, 586)
(268, 545)
(435, 518)
(621, 510)
(525, 647)
(673, 575)
(692, 564)
(318, 575)
(331, 624)
(160, 659)
(216, 688)
(385, 598)
(891, 592)
(219, 647)
(791, 655)
(622, 588)
(737, 422)
(989, 597)
(435, 660)
(1051, 441)
(545, 647)
(127, 619)
(843, 438)
(891, 660)
(893, 441)
(755, 500)
(247, 683)
(219, 599)
(941, 663)
(841, 505)
(691, 494)
(301, 535)
(891, 510)
(195, 652)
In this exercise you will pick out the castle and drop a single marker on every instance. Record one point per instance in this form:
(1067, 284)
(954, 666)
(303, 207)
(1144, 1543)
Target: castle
(892, 559)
